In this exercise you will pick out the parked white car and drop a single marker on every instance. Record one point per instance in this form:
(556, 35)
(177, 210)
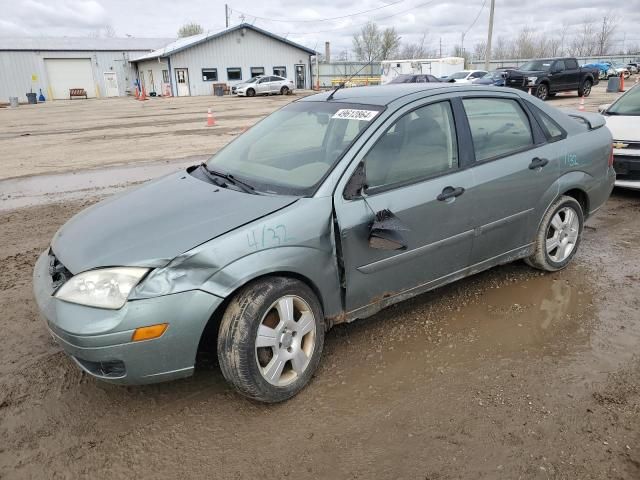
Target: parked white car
(621, 69)
(465, 76)
(623, 119)
(263, 85)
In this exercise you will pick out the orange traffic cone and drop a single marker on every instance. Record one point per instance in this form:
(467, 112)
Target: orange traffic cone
(621, 82)
(137, 94)
(210, 120)
(581, 107)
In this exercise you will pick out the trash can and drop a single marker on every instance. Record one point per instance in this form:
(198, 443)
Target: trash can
(32, 98)
(218, 91)
(13, 102)
(613, 85)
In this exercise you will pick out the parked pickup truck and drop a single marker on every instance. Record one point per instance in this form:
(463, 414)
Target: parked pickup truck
(548, 76)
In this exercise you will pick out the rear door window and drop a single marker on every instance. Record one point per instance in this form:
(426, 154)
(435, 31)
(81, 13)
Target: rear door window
(499, 126)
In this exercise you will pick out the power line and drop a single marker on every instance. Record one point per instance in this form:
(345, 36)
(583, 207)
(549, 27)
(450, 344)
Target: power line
(476, 19)
(292, 20)
(374, 20)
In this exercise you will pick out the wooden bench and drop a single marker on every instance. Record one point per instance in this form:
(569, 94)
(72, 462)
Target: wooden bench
(77, 92)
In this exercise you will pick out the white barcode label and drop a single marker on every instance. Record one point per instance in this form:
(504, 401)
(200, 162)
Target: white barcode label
(353, 114)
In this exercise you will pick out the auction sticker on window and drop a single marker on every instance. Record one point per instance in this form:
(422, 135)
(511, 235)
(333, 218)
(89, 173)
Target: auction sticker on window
(354, 114)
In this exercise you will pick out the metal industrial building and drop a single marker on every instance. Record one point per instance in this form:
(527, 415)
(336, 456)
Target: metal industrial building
(190, 66)
(101, 66)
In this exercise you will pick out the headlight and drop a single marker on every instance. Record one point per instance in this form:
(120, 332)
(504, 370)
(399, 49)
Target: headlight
(532, 80)
(105, 288)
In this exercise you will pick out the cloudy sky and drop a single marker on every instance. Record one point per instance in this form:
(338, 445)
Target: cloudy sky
(313, 23)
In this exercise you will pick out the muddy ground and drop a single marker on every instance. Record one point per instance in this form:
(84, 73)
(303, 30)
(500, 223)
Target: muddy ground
(510, 374)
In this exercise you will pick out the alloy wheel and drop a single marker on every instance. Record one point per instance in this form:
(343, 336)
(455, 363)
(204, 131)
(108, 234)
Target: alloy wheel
(562, 235)
(285, 340)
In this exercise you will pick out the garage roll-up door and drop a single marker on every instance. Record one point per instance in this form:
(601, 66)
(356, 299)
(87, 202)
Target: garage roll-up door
(66, 73)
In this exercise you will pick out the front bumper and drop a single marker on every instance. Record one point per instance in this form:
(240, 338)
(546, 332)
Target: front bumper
(627, 168)
(99, 340)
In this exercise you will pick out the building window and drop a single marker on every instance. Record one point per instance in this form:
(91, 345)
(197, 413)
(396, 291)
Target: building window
(234, 73)
(209, 74)
(165, 76)
(280, 71)
(255, 71)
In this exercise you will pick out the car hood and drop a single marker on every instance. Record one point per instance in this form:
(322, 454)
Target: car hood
(624, 127)
(152, 224)
(527, 73)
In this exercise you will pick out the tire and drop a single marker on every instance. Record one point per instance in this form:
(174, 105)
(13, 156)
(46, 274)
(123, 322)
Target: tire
(251, 93)
(284, 91)
(585, 88)
(554, 259)
(275, 370)
(626, 75)
(542, 92)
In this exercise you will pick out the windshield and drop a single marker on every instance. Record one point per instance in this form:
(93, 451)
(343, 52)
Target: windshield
(291, 150)
(628, 104)
(459, 75)
(536, 65)
(253, 80)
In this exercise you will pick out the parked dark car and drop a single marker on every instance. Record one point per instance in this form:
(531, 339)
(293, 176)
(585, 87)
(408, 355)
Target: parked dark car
(549, 76)
(410, 78)
(496, 78)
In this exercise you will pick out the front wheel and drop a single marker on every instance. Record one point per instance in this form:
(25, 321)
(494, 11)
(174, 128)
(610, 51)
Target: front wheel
(271, 338)
(542, 92)
(585, 89)
(251, 92)
(559, 235)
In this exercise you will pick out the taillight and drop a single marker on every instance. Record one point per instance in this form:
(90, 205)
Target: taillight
(611, 157)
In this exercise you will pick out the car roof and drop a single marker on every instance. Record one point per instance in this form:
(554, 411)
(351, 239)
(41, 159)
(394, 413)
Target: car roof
(385, 94)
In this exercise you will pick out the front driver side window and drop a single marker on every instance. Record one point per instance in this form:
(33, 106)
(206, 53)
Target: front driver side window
(420, 144)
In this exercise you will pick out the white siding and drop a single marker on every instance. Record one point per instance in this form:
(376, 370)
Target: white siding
(235, 49)
(17, 67)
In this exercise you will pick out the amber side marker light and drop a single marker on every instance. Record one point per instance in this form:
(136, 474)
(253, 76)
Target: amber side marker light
(149, 333)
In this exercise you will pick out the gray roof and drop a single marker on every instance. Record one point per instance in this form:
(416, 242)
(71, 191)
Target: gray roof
(188, 42)
(81, 43)
(385, 94)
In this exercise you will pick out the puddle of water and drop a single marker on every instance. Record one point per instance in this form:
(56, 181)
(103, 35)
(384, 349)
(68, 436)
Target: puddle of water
(43, 189)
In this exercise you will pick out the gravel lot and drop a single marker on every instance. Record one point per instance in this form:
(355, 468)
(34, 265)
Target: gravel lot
(509, 374)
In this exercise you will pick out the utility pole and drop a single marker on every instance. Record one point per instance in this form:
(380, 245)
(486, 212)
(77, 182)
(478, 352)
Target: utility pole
(440, 47)
(226, 15)
(488, 53)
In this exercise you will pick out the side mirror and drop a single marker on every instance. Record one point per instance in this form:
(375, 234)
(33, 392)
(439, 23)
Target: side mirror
(603, 108)
(385, 232)
(356, 183)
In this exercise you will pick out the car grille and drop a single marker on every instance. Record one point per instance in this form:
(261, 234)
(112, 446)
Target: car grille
(58, 272)
(630, 145)
(627, 167)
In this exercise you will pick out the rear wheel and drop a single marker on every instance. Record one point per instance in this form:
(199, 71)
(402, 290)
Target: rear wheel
(559, 235)
(585, 89)
(284, 91)
(542, 92)
(271, 337)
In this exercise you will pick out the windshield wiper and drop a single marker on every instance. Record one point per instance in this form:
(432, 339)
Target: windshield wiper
(244, 186)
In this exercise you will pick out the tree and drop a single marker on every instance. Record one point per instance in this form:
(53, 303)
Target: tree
(371, 43)
(366, 44)
(416, 50)
(189, 29)
(604, 36)
(389, 44)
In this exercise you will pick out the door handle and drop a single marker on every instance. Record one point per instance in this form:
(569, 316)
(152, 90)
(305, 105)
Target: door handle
(450, 192)
(538, 163)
